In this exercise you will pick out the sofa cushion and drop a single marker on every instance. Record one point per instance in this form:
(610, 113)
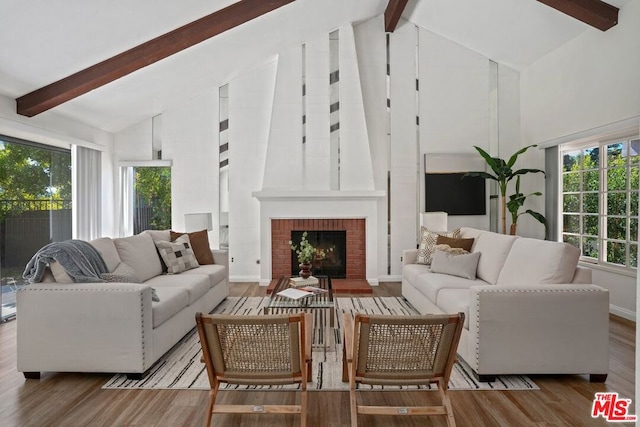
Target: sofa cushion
(108, 250)
(178, 256)
(455, 301)
(200, 244)
(215, 272)
(412, 272)
(196, 285)
(494, 249)
(59, 273)
(140, 253)
(463, 265)
(172, 300)
(158, 235)
(428, 241)
(432, 284)
(534, 261)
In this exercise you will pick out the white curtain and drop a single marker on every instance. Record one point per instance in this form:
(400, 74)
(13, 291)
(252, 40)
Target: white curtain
(87, 192)
(126, 200)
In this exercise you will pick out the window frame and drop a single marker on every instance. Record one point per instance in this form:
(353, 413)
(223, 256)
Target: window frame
(603, 144)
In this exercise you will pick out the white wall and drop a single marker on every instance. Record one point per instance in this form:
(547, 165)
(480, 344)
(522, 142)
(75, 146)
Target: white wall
(251, 97)
(589, 82)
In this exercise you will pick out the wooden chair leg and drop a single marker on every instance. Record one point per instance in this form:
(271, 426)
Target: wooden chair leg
(212, 401)
(303, 409)
(446, 402)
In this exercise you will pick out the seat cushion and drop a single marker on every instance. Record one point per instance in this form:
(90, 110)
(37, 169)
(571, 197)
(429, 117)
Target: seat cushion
(411, 272)
(196, 285)
(215, 272)
(172, 300)
(535, 261)
(432, 284)
(108, 250)
(493, 248)
(453, 301)
(139, 253)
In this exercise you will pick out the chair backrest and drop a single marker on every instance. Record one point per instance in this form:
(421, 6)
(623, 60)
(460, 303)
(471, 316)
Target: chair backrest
(405, 349)
(253, 349)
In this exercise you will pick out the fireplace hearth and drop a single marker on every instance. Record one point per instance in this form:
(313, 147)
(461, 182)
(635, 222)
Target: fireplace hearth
(331, 255)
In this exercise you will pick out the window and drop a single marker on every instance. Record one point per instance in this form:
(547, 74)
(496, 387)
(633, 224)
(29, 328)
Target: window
(146, 196)
(600, 200)
(35, 208)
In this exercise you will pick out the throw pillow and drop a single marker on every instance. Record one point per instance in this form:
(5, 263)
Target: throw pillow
(465, 244)
(200, 244)
(123, 273)
(456, 265)
(449, 249)
(178, 255)
(428, 241)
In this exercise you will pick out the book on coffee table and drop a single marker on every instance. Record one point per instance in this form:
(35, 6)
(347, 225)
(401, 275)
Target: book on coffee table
(299, 281)
(294, 293)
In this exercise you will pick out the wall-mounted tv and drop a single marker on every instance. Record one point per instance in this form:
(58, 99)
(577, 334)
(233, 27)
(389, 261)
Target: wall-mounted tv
(455, 195)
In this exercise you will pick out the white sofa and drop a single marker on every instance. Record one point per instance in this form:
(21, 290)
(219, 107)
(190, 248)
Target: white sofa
(530, 310)
(115, 327)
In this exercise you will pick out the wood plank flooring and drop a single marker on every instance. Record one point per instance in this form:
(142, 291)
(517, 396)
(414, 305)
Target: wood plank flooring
(65, 399)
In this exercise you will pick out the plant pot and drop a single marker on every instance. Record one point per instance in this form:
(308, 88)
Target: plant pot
(513, 229)
(305, 270)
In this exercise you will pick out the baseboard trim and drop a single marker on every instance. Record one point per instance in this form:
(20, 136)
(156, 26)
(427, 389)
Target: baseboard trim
(390, 278)
(622, 312)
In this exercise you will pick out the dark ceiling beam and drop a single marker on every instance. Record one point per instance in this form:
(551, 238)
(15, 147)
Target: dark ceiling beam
(392, 14)
(596, 13)
(154, 50)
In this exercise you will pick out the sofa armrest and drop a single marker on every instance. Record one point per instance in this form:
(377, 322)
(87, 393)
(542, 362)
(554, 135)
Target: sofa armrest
(409, 256)
(84, 327)
(561, 328)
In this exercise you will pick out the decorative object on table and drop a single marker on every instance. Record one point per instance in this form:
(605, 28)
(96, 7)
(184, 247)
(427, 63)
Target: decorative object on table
(294, 293)
(301, 281)
(502, 175)
(307, 253)
(516, 201)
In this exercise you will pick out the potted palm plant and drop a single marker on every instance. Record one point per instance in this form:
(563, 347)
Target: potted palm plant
(502, 174)
(516, 201)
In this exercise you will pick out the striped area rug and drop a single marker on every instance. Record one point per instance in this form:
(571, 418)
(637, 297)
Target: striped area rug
(181, 368)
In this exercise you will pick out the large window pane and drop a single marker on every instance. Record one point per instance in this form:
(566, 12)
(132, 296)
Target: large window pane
(571, 181)
(571, 161)
(572, 240)
(633, 255)
(617, 228)
(590, 225)
(152, 201)
(571, 223)
(571, 203)
(591, 180)
(616, 203)
(35, 208)
(591, 203)
(590, 247)
(616, 252)
(617, 179)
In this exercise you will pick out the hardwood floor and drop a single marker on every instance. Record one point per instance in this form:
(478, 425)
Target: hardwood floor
(64, 399)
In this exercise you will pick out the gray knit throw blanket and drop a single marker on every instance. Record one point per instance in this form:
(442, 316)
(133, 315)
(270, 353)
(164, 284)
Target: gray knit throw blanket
(81, 261)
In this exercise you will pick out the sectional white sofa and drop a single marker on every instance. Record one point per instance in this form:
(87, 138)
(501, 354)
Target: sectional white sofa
(530, 309)
(115, 327)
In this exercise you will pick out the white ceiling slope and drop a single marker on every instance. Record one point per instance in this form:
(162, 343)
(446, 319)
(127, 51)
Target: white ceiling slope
(42, 41)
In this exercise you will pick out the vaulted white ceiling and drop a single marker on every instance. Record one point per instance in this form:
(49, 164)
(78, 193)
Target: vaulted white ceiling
(42, 41)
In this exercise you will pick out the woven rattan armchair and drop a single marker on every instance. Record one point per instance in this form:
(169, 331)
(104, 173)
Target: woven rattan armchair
(400, 350)
(260, 350)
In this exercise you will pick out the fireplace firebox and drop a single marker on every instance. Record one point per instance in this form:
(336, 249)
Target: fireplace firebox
(331, 252)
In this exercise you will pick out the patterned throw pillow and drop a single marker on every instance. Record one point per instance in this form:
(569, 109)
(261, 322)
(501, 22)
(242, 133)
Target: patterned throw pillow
(178, 256)
(428, 242)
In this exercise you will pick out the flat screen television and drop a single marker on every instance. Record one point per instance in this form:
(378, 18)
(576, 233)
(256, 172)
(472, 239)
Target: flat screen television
(455, 195)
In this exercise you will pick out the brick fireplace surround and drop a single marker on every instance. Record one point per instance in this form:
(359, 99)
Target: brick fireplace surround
(356, 242)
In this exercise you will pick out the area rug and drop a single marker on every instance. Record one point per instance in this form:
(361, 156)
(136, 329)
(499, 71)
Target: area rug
(181, 368)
